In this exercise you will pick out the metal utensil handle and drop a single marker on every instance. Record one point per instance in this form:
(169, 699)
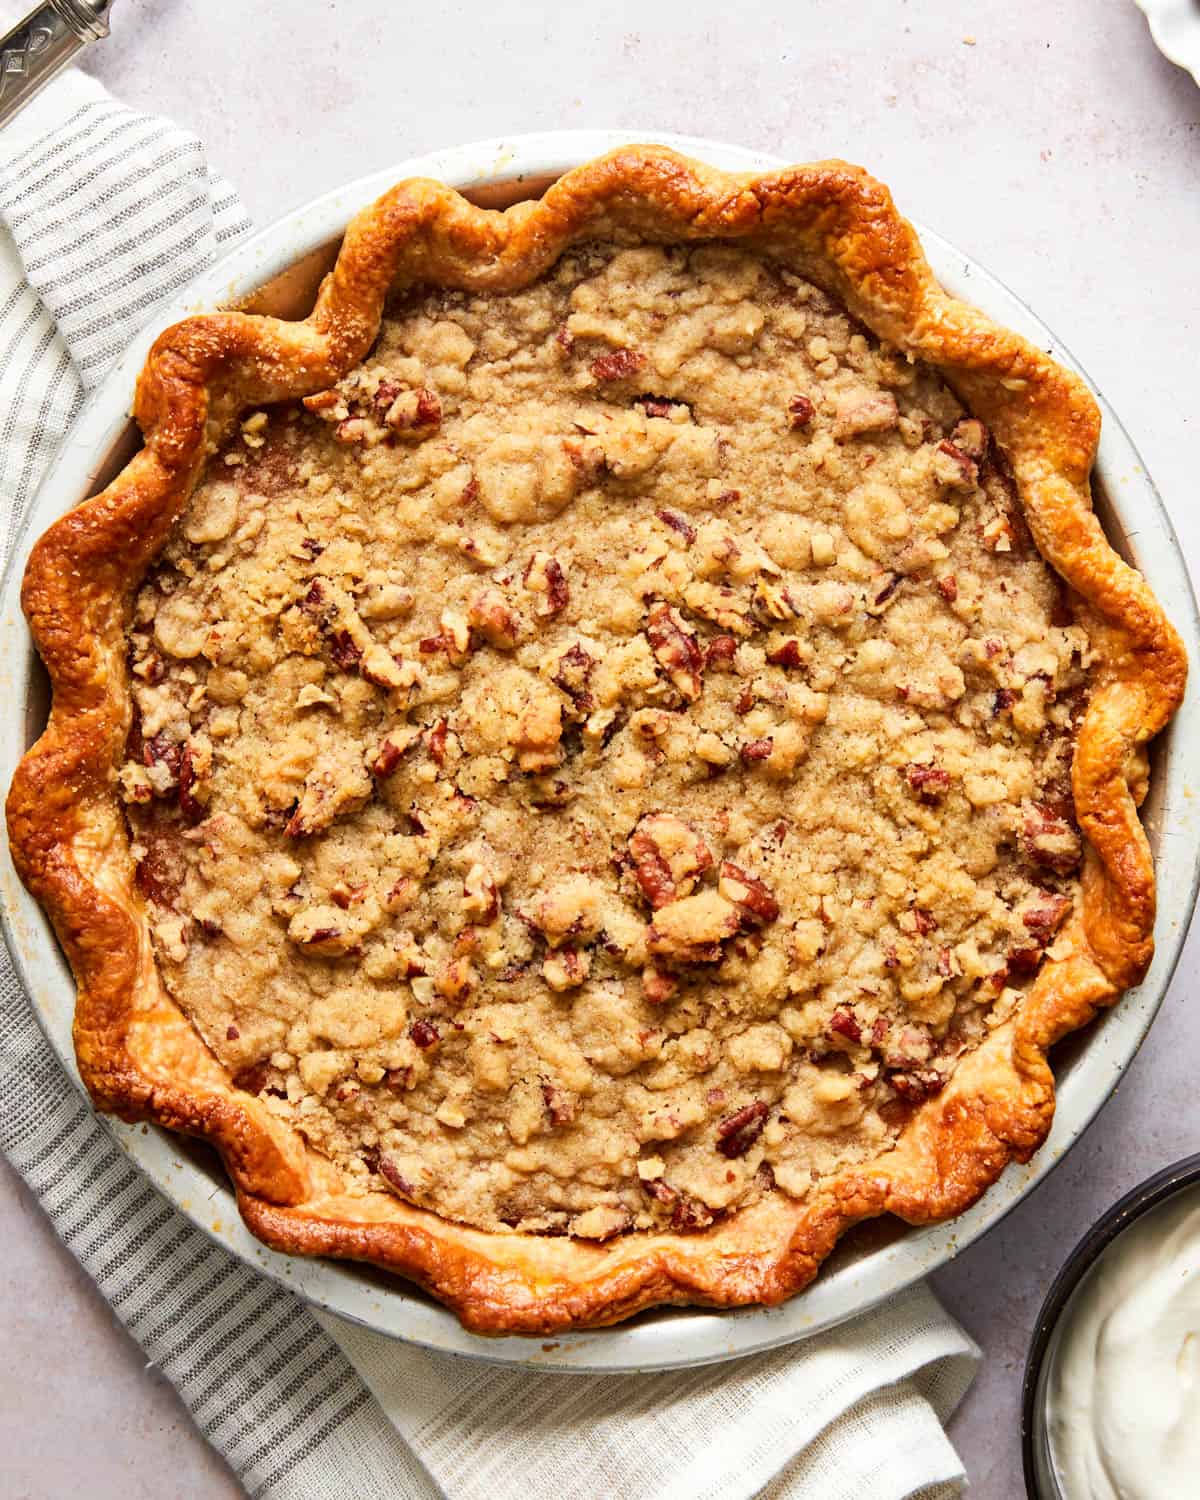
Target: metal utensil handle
(42, 44)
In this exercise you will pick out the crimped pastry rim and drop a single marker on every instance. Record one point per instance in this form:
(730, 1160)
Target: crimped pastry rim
(612, 1307)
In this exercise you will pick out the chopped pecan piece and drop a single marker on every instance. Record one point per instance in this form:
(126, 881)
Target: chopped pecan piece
(415, 413)
(653, 876)
(947, 586)
(787, 654)
(165, 753)
(1002, 701)
(1021, 962)
(572, 673)
(929, 782)
(403, 895)
(544, 575)
(342, 648)
(619, 365)
(660, 406)
(455, 634)
(669, 857)
(860, 412)
(159, 874)
(800, 411)
(252, 1080)
(193, 791)
(970, 436)
(490, 615)
(566, 968)
(560, 1104)
(457, 981)
(587, 458)
(424, 1033)
(151, 668)
(315, 597)
(344, 896)
(320, 400)
(771, 602)
(385, 393)
(843, 1022)
(676, 649)
(1048, 916)
(677, 524)
(317, 930)
(752, 750)
(999, 534)
(754, 902)
(884, 586)
(954, 468)
(1050, 842)
(917, 1085)
(392, 749)
(657, 986)
(690, 1215)
(481, 899)
(906, 1046)
(739, 1131)
(379, 666)
(720, 650)
(436, 741)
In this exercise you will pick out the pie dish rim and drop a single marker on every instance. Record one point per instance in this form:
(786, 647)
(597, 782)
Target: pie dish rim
(709, 151)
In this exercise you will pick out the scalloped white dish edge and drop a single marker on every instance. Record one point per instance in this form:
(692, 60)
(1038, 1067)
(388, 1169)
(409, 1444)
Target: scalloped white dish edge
(1175, 27)
(668, 1337)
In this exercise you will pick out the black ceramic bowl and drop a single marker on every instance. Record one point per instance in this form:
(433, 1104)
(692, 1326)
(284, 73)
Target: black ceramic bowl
(1040, 1482)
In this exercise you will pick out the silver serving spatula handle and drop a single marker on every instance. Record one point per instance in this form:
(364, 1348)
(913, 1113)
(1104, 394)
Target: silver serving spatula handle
(42, 44)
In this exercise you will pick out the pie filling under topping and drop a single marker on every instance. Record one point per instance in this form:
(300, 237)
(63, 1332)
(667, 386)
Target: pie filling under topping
(609, 757)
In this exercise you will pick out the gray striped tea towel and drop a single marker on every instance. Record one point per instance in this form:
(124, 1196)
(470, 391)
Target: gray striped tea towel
(106, 213)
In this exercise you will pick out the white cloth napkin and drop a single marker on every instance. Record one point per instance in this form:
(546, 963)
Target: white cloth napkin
(105, 213)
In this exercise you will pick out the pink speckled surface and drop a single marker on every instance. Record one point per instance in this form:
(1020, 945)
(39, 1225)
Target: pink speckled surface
(1056, 146)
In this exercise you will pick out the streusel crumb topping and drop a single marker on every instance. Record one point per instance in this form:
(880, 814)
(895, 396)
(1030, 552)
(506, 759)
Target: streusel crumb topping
(609, 757)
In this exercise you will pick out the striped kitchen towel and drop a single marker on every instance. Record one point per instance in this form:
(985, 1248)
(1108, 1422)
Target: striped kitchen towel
(106, 214)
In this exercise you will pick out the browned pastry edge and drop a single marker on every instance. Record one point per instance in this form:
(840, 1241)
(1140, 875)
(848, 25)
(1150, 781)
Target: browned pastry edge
(138, 1054)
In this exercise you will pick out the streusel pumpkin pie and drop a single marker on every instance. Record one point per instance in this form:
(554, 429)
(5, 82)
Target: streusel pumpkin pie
(605, 755)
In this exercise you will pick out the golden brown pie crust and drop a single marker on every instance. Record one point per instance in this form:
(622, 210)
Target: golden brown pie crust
(138, 1053)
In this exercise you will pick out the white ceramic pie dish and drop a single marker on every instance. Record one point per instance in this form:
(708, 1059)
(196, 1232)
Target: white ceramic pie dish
(866, 1268)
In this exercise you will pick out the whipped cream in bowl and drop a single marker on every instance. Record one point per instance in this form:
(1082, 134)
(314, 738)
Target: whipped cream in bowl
(1112, 1386)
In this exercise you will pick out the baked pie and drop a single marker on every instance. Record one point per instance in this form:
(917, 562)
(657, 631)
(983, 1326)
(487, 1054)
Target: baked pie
(605, 755)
